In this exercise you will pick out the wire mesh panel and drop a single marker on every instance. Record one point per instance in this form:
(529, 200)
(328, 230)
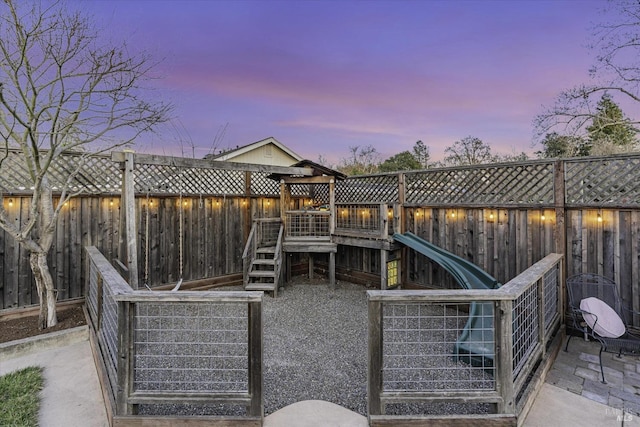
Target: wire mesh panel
(191, 347)
(603, 181)
(307, 224)
(368, 189)
(506, 184)
(420, 349)
(108, 334)
(526, 312)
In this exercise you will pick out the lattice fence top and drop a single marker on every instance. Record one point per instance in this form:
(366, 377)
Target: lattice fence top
(487, 185)
(162, 179)
(368, 189)
(591, 181)
(603, 181)
(262, 185)
(96, 174)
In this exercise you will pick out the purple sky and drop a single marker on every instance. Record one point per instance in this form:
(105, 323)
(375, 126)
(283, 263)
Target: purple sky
(321, 76)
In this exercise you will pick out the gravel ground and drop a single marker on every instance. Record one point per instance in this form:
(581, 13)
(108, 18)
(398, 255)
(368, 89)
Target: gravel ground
(315, 348)
(315, 345)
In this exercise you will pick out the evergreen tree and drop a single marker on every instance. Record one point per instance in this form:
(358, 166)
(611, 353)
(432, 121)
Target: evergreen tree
(610, 131)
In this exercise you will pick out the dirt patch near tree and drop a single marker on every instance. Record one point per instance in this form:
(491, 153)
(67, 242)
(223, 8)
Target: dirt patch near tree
(27, 326)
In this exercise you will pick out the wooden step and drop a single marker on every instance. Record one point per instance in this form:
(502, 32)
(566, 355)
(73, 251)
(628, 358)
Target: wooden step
(260, 287)
(266, 250)
(263, 262)
(262, 273)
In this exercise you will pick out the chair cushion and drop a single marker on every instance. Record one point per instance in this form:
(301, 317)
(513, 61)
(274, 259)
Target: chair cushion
(609, 324)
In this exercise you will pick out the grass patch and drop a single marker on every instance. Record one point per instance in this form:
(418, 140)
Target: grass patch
(20, 397)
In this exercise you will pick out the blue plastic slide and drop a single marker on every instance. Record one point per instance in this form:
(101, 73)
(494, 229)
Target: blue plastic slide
(476, 343)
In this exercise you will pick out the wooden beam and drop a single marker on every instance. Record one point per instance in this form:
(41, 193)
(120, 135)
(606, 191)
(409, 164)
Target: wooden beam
(307, 180)
(153, 159)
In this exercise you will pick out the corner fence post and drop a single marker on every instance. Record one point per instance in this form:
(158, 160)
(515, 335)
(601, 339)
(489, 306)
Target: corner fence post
(374, 386)
(255, 358)
(124, 361)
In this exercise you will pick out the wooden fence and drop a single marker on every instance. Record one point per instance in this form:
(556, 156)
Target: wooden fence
(502, 217)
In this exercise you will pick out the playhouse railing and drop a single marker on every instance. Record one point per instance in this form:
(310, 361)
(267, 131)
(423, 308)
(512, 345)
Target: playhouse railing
(416, 340)
(374, 220)
(156, 348)
(307, 225)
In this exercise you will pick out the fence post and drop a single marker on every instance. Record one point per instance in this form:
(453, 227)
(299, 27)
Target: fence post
(374, 386)
(255, 358)
(503, 321)
(129, 207)
(560, 231)
(124, 373)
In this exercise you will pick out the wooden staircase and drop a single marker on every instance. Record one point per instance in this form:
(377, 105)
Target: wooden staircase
(262, 257)
(262, 274)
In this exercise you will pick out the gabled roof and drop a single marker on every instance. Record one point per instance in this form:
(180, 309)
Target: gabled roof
(228, 155)
(318, 170)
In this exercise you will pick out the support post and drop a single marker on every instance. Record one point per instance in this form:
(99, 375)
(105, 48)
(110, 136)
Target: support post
(384, 282)
(332, 269)
(332, 206)
(128, 204)
(560, 231)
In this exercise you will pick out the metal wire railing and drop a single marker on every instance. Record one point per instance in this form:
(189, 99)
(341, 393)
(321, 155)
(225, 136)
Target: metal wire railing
(158, 348)
(471, 349)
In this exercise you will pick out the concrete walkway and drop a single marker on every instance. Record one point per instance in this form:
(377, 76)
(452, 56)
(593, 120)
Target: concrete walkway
(72, 395)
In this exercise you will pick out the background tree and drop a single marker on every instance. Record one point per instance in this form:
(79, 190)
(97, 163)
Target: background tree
(421, 154)
(400, 162)
(556, 145)
(468, 151)
(616, 73)
(60, 90)
(361, 161)
(610, 131)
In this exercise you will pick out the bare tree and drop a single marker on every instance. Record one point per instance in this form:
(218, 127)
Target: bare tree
(616, 74)
(468, 151)
(61, 90)
(361, 161)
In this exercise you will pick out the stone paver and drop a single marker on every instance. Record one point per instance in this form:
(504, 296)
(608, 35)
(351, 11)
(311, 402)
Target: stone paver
(578, 371)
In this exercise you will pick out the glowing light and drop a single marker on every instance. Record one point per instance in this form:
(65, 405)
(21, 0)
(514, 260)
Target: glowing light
(10, 202)
(542, 217)
(453, 214)
(491, 216)
(599, 218)
(111, 202)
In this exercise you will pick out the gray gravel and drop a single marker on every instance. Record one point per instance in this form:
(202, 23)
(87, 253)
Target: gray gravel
(315, 346)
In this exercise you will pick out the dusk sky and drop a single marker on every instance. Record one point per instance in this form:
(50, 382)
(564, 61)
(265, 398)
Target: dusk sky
(321, 76)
